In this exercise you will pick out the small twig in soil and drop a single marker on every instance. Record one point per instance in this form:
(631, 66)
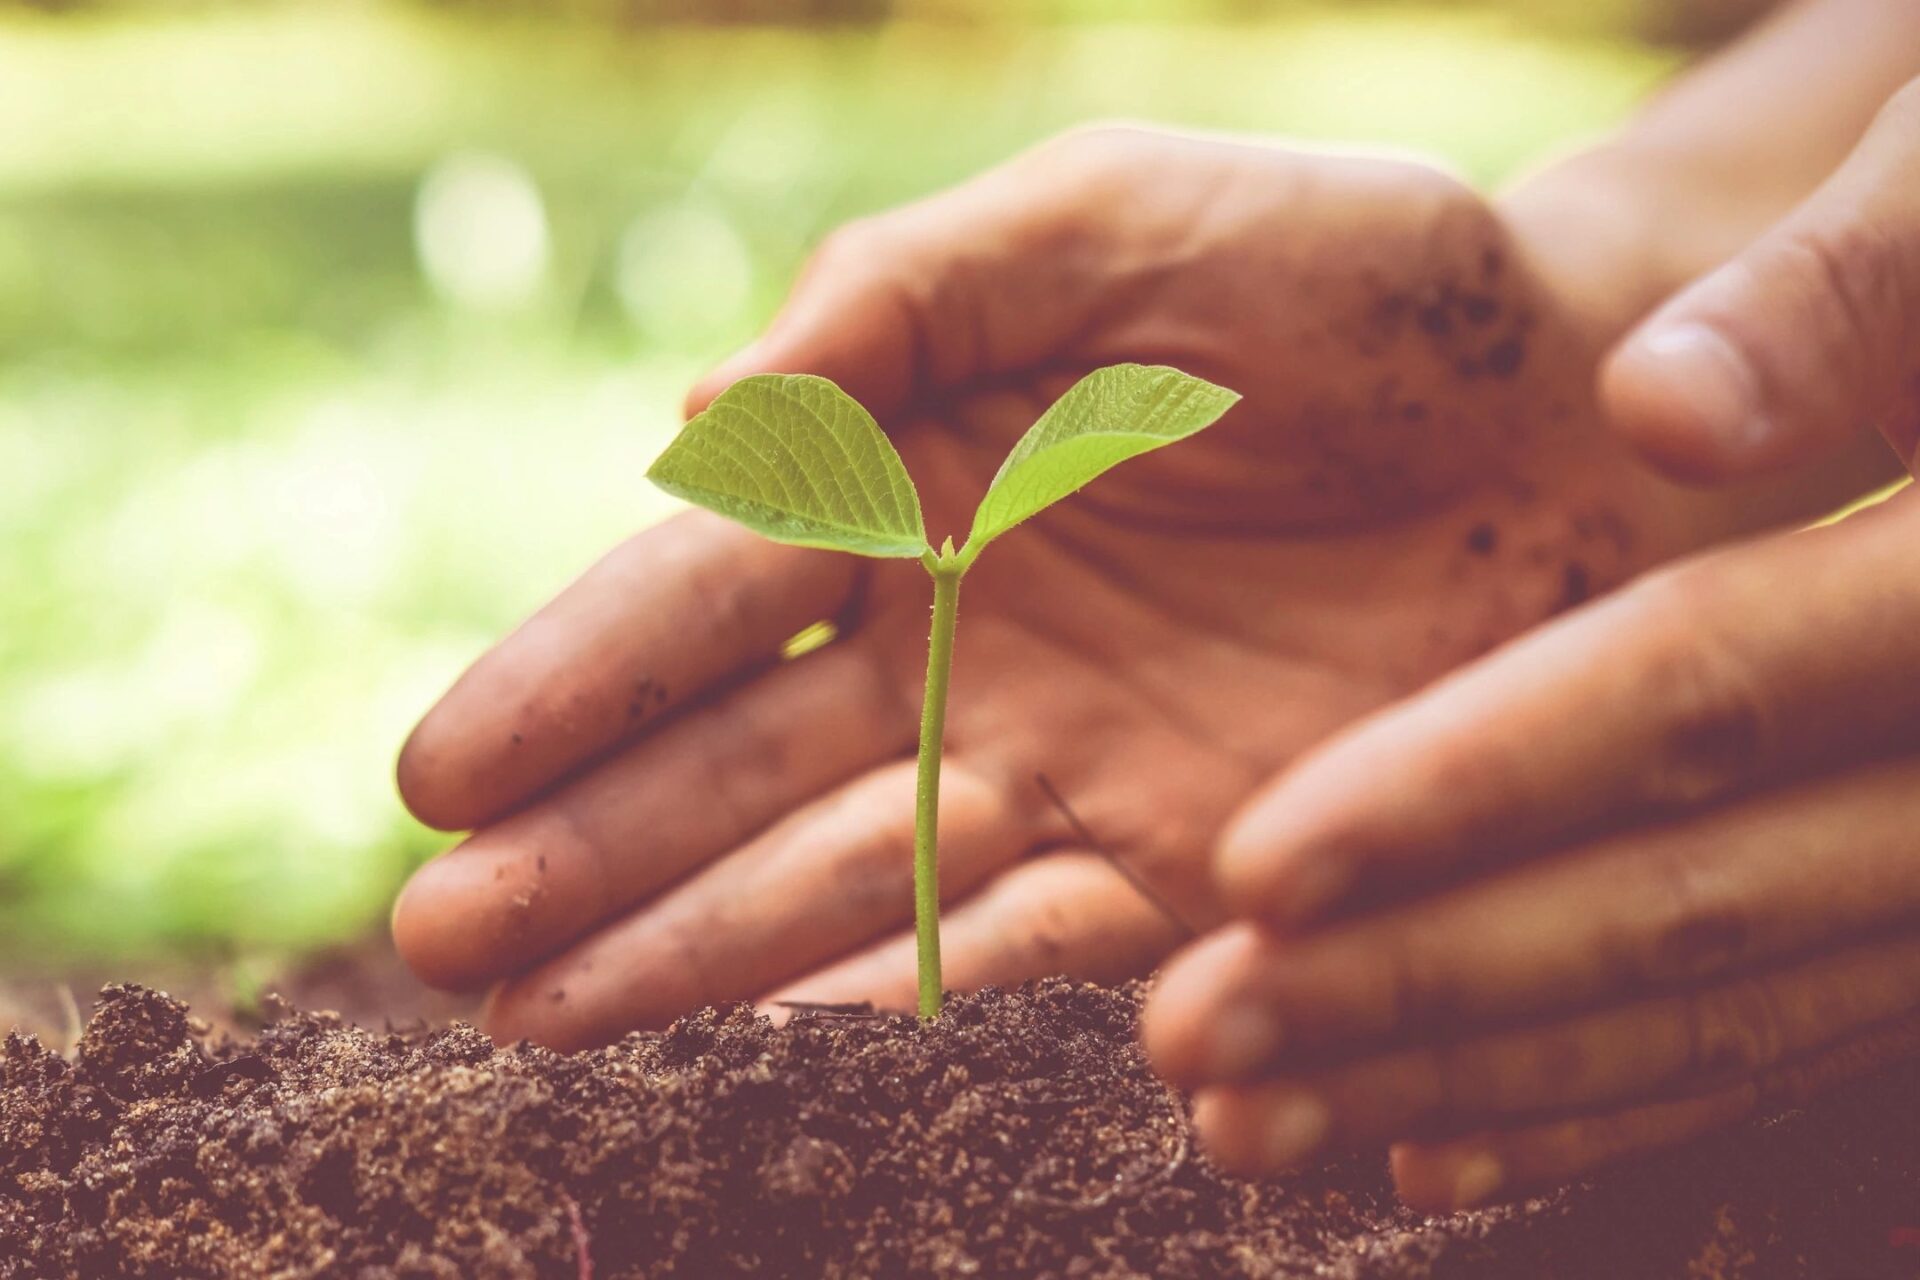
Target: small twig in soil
(1127, 1185)
(831, 1009)
(1127, 873)
(247, 1066)
(1171, 1169)
(76, 1026)
(582, 1243)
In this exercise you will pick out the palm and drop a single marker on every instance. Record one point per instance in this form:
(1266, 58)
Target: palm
(1155, 661)
(1414, 476)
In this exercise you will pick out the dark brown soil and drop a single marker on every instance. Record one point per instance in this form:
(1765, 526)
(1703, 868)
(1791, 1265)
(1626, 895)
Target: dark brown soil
(1020, 1135)
(363, 980)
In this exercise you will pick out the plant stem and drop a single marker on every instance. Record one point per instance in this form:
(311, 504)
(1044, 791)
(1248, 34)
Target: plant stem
(926, 805)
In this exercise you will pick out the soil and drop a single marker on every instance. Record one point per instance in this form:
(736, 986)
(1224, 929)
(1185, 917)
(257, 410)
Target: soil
(1020, 1135)
(362, 979)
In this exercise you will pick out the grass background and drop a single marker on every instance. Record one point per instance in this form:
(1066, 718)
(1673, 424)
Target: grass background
(334, 338)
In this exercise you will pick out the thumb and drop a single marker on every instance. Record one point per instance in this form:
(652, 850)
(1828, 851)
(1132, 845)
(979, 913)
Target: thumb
(985, 279)
(1788, 351)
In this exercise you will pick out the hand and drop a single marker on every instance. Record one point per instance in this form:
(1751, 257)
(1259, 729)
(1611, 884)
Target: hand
(668, 816)
(1782, 354)
(1632, 877)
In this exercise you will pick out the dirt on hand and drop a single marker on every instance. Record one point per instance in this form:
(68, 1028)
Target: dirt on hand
(1021, 1134)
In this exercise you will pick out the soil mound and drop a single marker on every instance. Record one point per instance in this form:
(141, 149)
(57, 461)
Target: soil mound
(1020, 1135)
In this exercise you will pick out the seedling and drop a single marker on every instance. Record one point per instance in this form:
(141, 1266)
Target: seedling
(798, 460)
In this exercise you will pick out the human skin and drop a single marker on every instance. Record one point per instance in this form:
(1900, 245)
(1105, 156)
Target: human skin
(1651, 868)
(1437, 946)
(1418, 472)
(666, 817)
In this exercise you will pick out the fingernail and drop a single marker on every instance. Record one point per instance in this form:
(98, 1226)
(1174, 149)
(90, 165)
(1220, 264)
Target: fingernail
(1294, 1127)
(1241, 1039)
(1479, 1178)
(1710, 377)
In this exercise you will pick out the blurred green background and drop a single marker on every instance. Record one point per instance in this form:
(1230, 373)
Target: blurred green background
(334, 337)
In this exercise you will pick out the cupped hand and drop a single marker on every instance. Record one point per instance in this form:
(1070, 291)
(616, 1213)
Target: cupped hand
(667, 814)
(1630, 878)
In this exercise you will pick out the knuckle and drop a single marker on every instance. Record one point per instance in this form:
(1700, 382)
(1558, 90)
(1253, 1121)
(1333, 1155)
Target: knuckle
(1696, 932)
(726, 780)
(1558, 1066)
(1732, 1031)
(1034, 936)
(1078, 176)
(1849, 272)
(1043, 923)
(1424, 1088)
(872, 874)
(1456, 1083)
(726, 600)
(1449, 201)
(1459, 225)
(1419, 992)
(696, 949)
(1482, 779)
(1714, 734)
(1102, 140)
(1759, 1012)
(850, 244)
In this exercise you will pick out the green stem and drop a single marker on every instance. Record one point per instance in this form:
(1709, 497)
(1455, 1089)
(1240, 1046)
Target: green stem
(926, 806)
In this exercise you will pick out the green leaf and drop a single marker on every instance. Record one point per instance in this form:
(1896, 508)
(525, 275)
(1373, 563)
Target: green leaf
(796, 458)
(1108, 416)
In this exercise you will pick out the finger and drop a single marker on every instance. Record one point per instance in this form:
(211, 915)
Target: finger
(524, 887)
(829, 879)
(1681, 689)
(1797, 344)
(987, 278)
(1648, 910)
(1471, 1172)
(1067, 912)
(654, 625)
(1676, 1046)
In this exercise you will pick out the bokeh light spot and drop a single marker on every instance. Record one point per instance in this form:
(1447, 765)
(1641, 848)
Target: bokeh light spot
(480, 229)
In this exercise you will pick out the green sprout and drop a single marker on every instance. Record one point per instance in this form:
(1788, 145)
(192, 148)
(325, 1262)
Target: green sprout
(796, 459)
